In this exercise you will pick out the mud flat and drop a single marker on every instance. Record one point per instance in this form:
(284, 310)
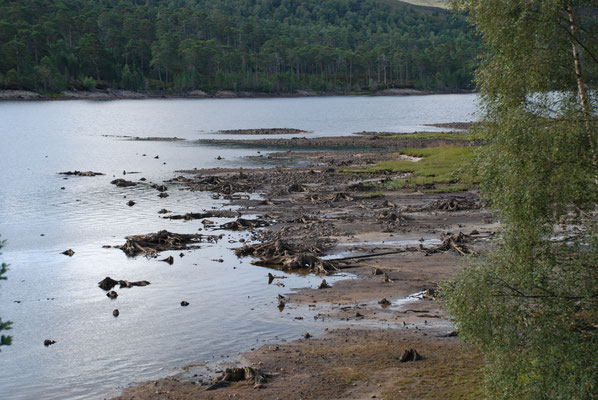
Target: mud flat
(264, 131)
(400, 244)
(146, 138)
(459, 126)
(370, 141)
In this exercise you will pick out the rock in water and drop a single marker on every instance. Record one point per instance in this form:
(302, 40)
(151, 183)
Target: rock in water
(112, 294)
(107, 283)
(281, 304)
(116, 313)
(123, 183)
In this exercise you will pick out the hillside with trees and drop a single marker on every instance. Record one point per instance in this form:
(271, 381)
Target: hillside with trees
(251, 45)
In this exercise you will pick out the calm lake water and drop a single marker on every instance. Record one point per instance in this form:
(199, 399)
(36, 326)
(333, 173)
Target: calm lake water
(51, 296)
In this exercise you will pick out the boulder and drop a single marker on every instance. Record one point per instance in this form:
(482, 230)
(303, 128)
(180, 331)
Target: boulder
(107, 283)
(112, 295)
(123, 183)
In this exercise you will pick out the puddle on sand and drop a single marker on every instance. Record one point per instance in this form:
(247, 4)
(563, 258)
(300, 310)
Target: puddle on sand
(396, 305)
(357, 249)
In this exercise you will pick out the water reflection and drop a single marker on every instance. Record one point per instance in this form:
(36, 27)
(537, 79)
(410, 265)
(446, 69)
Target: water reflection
(232, 308)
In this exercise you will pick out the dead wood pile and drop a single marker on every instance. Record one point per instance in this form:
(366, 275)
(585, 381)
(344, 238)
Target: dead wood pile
(242, 224)
(456, 243)
(202, 215)
(450, 204)
(81, 173)
(285, 256)
(316, 198)
(391, 217)
(247, 374)
(225, 185)
(153, 243)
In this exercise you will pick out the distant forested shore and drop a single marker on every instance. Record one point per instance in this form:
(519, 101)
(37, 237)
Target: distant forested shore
(255, 46)
(115, 94)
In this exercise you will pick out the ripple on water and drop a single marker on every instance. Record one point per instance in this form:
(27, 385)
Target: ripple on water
(232, 308)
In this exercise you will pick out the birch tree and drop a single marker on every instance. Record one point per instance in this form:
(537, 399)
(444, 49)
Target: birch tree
(531, 304)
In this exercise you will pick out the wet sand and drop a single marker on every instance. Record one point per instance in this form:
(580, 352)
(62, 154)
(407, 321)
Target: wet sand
(392, 240)
(349, 143)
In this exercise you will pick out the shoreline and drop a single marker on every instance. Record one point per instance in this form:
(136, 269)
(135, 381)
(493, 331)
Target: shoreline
(112, 94)
(390, 239)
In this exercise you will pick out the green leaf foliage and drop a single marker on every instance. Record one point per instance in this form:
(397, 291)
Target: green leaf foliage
(532, 303)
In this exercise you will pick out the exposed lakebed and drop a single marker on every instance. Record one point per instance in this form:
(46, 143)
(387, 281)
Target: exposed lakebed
(231, 306)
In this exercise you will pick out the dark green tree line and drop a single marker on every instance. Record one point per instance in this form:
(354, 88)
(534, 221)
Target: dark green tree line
(257, 45)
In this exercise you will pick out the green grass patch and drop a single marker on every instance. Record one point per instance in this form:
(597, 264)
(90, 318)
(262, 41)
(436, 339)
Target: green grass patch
(442, 169)
(470, 137)
(441, 376)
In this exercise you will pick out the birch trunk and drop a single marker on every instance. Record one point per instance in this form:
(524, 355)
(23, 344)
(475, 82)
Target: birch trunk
(581, 90)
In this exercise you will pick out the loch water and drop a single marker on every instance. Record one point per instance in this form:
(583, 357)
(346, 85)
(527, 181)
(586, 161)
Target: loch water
(232, 308)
